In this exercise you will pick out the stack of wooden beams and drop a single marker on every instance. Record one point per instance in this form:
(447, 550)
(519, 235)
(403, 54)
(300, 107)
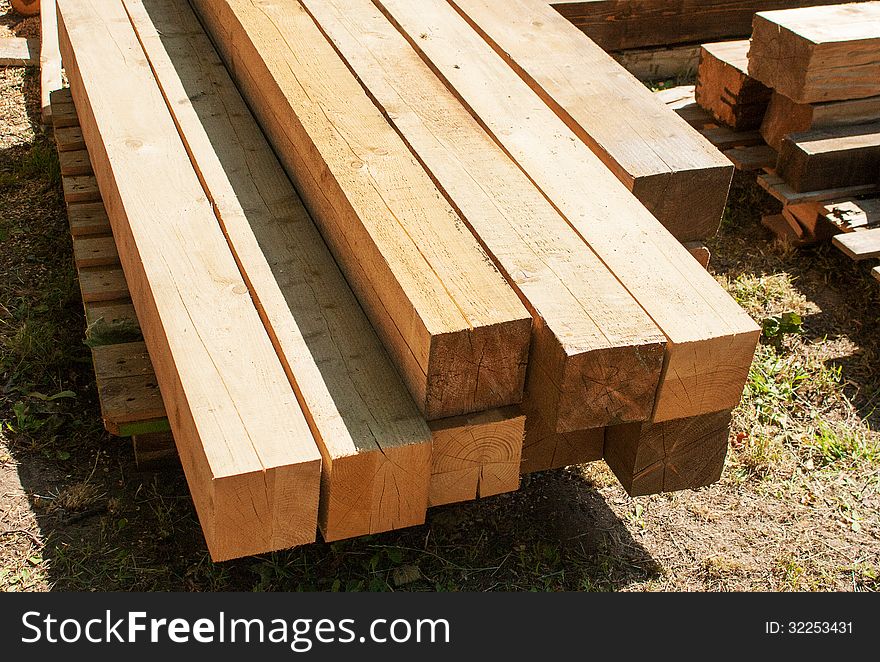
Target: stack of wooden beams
(823, 65)
(426, 277)
(725, 89)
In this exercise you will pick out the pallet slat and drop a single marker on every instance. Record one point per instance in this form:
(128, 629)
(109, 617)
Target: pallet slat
(859, 245)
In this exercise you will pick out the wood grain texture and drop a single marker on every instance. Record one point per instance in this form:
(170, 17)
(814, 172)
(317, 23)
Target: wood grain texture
(94, 251)
(476, 456)
(669, 167)
(88, 218)
(74, 163)
(544, 449)
(710, 340)
(68, 139)
(450, 321)
(50, 58)
(620, 24)
(671, 456)
(249, 456)
(726, 90)
(782, 191)
(831, 158)
(376, 448)
(596, 356)
(648, 64)
(817, 54)
(859, 245)
(784, 116)
(102, 284)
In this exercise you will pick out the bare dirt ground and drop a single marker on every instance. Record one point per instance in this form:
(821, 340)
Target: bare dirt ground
(798, 506)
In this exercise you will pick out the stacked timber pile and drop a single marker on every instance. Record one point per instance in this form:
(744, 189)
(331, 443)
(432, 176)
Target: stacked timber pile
(428, 276)
(823, 64)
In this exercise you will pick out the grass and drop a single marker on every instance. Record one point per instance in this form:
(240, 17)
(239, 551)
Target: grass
(798, 506)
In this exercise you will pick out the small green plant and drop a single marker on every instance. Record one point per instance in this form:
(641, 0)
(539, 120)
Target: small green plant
(775, 329)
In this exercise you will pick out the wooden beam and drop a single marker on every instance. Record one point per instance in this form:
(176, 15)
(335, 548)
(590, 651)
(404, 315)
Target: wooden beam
(453, 326)
(476, 456)
(667, 165)
(620, 24)
(249, 456)
(817, 54)
(831, 158)
(667, 457)
(784, 116)
(544, 449)
(75, 163)
(726, 90)
(710, 339)
(50, 58)
(87, 218)
(779, 189)
(94, 251)
(651, 64)
(596, 357)
(859, 245)
(19, 52)
(368, 429)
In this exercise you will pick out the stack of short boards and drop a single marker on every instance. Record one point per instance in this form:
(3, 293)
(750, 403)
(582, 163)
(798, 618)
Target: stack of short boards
(810, 79)
(387, 255)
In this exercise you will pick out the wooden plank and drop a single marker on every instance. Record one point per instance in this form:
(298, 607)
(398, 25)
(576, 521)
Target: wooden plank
(784, 116)
(859, 245)
(701, 253)
(836, 157)
(785, 229)
(69, 139)
(544, 449)
(596, 357)
(94, 252)
(19, 52)
(710, 340)
(80, 188)
(87, 218)
(672, 170)
(726, 90)
(816, 54)
(850, 215)
(724, 138)
(74, 163)
(102, 284)
(667, 457)
(112, 312)
(251, 462)
(368, 429)
(64, 114)
(755, 157)
(620, 24)
(50, 57)
(649, 64)
(453, 326)
(476, 456)
(779, 189)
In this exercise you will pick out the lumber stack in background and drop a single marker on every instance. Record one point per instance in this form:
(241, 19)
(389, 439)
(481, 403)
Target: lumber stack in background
(726, 90)
(368, 429)
(818, 54)
(669, 167)
(831, 158)
(624, 24)
(455, 329)
(596, 356)
(249, 456)
(710, 340)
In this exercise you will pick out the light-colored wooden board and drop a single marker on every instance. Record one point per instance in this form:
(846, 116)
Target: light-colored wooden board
(818, 54)
(94, 251)
(710, 339)
(88, 218)
(74, 163)
(859, 245)
(369, 430)
(102, 284)
(667, 165)
(454, 327)
(250, 459)
(851, 215)
(50, 57)
(596, 357)
(671, 456)
(112, 312)
(69, 139)
(19, 52)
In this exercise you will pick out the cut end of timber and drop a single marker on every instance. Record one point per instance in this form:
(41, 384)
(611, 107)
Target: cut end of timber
(608, 387)
(281, 515)
(374, 492)
(667, 457)
(707, 376)
(476, 456)
(544, 449)
(689, 207)
(484, 368)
